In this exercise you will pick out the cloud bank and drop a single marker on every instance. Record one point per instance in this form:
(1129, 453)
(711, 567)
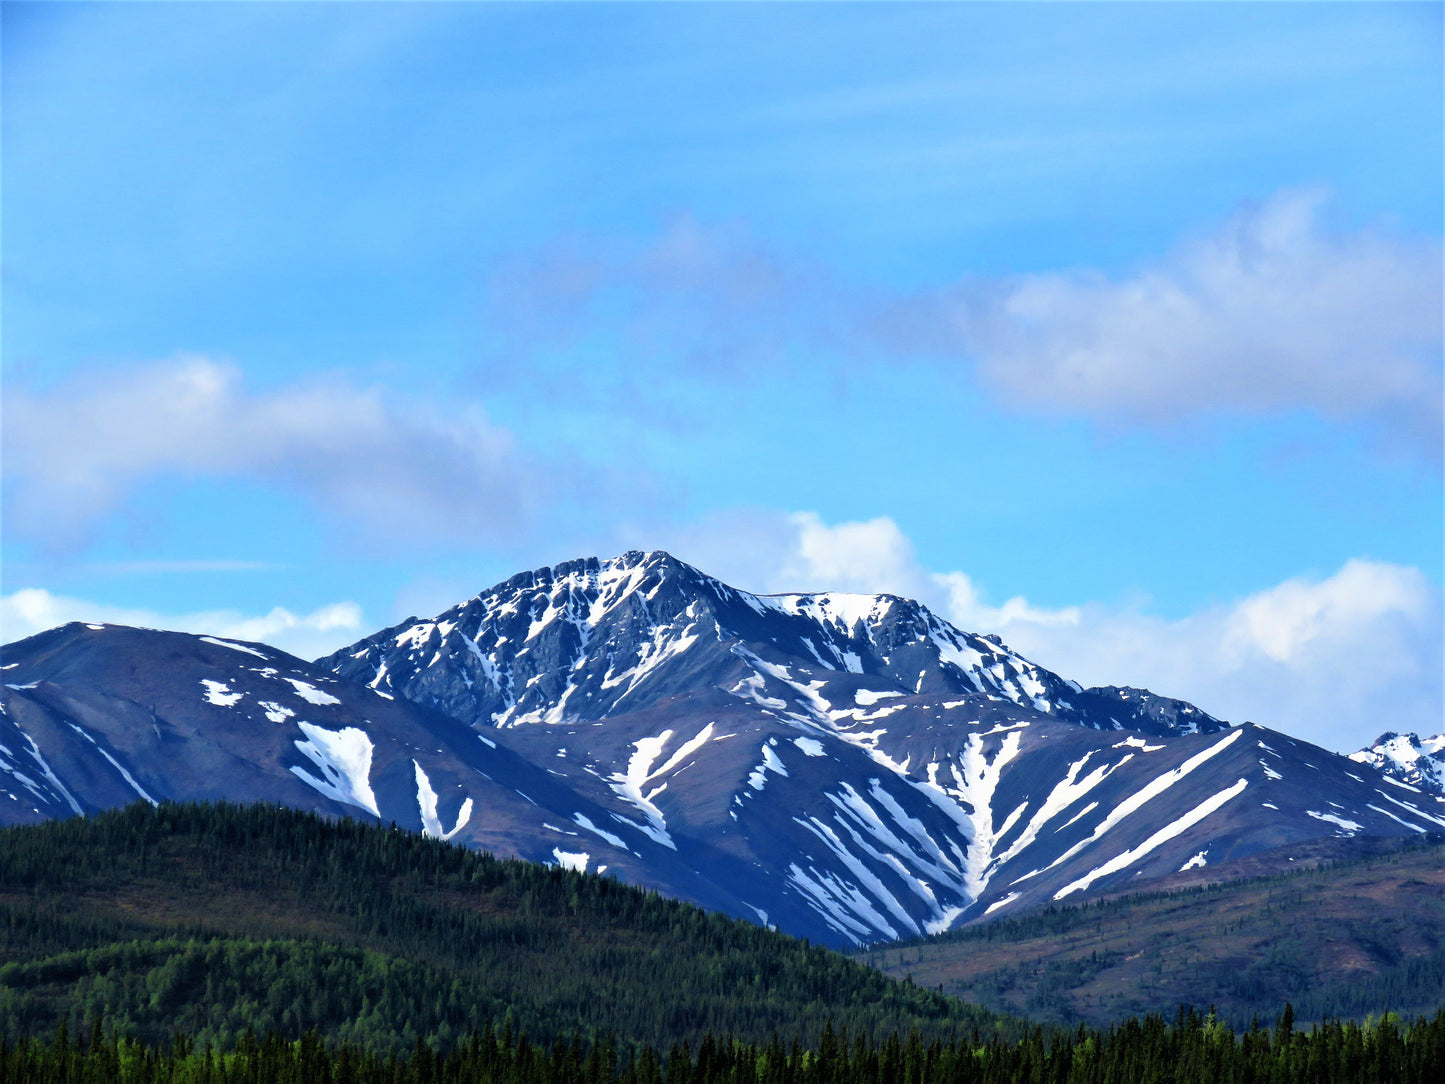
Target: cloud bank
(308, 636)
(394, 468)
(1336, 659)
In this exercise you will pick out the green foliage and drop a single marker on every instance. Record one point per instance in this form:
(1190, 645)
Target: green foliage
(155, 945)
(216, 919)
(1194, 1050)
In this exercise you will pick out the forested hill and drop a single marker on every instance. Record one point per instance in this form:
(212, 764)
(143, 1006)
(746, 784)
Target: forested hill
(221, 943)
(212, 919)
(1345, 938)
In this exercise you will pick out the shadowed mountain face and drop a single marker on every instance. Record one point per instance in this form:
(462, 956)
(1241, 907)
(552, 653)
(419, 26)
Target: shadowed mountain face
(850, 768)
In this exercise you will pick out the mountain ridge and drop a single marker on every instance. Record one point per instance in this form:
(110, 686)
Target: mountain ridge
(847, 767)
(880, 636)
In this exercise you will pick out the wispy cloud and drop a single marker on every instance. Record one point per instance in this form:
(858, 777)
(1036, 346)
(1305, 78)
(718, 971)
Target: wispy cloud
(695, 301)
(308, 636)
(401, 471)
(162, 568)
(1334, 659)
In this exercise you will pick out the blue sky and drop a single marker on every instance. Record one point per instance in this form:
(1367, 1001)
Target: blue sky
(1115, 329)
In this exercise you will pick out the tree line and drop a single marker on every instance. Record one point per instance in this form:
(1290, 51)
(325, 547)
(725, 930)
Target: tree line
(1194, 1049)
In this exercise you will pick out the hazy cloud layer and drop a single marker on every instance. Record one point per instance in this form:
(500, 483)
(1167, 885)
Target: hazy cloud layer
(1335, 660)
(397, 469)
(1275, 310)
(694, 302)
(308, 636)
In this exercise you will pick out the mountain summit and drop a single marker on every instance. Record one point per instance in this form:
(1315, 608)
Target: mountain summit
(850, 768)
(1419, 762)
(591, 639)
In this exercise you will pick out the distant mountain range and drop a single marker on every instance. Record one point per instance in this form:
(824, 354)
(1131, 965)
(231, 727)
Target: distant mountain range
(849, 768)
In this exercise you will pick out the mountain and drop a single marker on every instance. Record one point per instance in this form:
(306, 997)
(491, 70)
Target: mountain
(1407, 757)
(849, 768)
(593, 639)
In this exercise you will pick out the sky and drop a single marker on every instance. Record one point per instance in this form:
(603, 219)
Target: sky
(1113, 329)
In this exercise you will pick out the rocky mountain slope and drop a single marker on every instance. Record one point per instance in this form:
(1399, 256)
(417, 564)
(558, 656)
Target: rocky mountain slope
(850, 768)
(1338, 935)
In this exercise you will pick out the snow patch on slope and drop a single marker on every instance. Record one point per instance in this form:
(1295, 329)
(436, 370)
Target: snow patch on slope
(632, 783)
(46, 771)
(1346, 826)
(969, 803)
(233, 647)
(343, 758)
(426, 799)
(310, 693)
(115, 764)
(1168, 832)
(220, 694)
(1145, 794)
(771, 763)
(573, 860)
(601, 833)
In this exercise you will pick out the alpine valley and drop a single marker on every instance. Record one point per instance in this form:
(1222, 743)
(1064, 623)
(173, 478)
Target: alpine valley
(848, 768)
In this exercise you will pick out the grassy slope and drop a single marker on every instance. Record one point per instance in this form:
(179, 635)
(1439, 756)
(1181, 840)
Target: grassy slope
(1347, 940)
(212, 919)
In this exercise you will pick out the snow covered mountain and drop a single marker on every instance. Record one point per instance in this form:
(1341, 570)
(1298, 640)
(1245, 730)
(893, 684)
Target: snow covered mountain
(1420, 762)
(850, 768)
(593, 639)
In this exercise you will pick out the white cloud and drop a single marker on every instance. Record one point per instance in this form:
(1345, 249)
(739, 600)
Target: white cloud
(26, 612)
(398, 469)
(965, 606)
(1336, 660)
(771, 552)
(1287, 623)
(1333, 660)
(1275, 311)
(871, 555)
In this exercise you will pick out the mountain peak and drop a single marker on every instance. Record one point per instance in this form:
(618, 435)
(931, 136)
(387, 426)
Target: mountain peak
(593, 638)
(1418, 762)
